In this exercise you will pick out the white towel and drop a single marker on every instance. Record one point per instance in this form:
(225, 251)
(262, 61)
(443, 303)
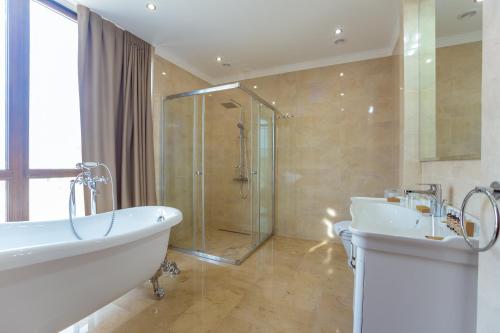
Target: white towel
(342, 229)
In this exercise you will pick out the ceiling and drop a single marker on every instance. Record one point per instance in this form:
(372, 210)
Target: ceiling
(450, 30)
(264, 37)
(257, 37)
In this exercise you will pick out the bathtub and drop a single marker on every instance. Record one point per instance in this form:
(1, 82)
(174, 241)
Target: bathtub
(50, 280)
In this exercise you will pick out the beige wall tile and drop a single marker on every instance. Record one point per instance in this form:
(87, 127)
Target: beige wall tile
(326, 155)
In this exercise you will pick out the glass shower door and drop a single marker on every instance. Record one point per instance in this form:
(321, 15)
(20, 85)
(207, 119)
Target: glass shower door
(266, 172)
(262, 171)
(181, 161)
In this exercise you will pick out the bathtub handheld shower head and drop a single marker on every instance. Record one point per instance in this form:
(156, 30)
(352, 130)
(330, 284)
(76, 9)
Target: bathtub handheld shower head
(87, 165)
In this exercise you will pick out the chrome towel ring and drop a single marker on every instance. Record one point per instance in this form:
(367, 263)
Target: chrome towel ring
(493, 194)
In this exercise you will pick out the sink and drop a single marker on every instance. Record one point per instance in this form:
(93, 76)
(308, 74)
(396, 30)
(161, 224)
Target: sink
(390, 219)
(404, 276)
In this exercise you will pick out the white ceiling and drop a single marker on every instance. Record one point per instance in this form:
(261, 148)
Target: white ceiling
(450, 30)
(257, 37)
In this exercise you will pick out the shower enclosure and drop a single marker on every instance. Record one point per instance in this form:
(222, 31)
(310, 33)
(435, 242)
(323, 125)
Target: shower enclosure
(217, 166)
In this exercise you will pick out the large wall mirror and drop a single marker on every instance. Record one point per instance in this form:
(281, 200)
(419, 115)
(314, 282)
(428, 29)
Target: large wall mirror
(450, 61)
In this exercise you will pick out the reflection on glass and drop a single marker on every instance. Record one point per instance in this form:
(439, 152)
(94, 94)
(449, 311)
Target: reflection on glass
(49, 197)
(55, 141)
(3, 132)
(450, 79)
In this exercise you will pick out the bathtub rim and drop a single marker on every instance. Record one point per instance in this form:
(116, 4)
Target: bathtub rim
(29, 255)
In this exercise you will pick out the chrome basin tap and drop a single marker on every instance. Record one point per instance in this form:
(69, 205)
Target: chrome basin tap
(436, 194)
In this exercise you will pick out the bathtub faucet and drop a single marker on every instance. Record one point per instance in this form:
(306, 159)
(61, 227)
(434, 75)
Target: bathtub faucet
(87, 178)
(90, 181)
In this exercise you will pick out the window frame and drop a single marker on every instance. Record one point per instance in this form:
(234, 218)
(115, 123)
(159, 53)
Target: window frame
(17, 173)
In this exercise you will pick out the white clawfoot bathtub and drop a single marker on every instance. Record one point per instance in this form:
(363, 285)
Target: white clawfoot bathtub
(50, 280)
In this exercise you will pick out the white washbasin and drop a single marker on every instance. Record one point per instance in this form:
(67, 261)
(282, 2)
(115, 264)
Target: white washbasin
(402, 275)
(387, 224)
(384, 218)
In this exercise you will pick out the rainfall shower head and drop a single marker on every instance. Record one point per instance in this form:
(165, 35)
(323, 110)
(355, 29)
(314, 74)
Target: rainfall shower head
(231, 104)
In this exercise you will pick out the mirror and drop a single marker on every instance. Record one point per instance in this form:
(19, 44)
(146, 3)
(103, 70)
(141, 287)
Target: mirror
(450, 74)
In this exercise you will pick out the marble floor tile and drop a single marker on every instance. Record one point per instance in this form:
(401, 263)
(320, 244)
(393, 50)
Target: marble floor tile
(287, 285)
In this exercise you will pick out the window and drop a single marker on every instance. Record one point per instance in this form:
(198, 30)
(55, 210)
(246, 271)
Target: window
(53, 90)
(3, 131)
(41, 137)
(3, 137)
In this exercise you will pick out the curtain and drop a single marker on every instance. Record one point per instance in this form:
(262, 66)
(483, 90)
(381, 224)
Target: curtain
(114, 73)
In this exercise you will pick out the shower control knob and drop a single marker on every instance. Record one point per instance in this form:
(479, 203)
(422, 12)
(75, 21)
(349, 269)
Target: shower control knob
(198, 173)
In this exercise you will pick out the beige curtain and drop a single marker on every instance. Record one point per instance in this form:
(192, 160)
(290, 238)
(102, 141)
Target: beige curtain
(114, 72)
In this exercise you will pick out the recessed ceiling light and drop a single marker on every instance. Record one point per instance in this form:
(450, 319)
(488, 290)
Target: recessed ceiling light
(339, 41)
(151, 6)
(163, 73)
(342, 94)
(219, 59)
(341, 74)
(338, 31)
(342, 109)
(371, 109)
(255, 87)
(274, 102)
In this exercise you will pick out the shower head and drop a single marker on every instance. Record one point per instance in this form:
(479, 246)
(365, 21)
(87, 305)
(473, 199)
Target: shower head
(240, 126)
(231, 104)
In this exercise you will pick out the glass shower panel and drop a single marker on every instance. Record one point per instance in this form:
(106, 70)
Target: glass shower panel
(179, 180)
(227, 174)
(266, 172)
(217, 167)
(256, 106)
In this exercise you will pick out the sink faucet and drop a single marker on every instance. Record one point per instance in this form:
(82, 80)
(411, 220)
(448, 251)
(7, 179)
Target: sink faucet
(436, 194)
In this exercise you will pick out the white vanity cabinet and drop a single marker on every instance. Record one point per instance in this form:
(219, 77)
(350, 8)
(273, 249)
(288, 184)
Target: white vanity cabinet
(405, 283)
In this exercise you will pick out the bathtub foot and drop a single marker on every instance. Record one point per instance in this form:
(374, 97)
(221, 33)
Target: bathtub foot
(166, 266)
(170, 267)
(158, 291)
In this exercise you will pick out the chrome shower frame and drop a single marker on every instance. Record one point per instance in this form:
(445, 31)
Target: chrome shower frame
(276, 115)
